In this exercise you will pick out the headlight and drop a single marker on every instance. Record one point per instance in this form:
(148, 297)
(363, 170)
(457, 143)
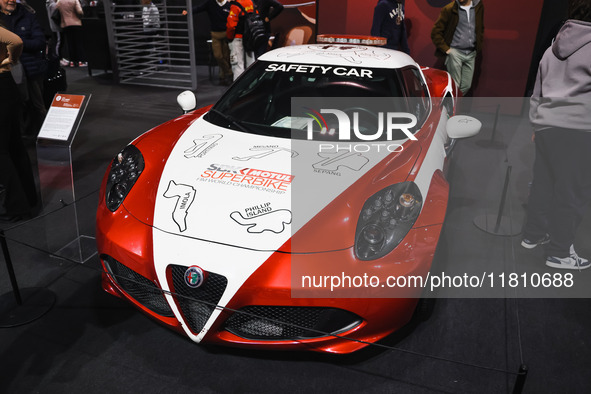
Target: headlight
(125, 170)
(385, 219)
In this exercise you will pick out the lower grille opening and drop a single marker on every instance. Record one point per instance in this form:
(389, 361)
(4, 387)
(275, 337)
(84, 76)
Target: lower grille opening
(196, 304)
(289, 322)
(138, 287)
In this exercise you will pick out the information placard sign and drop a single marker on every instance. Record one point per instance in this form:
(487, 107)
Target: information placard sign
(61, 117)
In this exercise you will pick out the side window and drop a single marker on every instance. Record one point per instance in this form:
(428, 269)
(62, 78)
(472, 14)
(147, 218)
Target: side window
(417, 94)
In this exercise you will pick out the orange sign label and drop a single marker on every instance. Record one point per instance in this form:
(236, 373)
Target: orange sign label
(67, 101)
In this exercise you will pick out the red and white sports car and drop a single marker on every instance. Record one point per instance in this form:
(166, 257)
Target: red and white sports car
(247, 224)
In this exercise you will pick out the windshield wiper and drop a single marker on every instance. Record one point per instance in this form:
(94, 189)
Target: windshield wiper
(230, 120)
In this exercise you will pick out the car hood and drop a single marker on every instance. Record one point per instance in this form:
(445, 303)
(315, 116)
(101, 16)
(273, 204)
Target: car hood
(254, 191)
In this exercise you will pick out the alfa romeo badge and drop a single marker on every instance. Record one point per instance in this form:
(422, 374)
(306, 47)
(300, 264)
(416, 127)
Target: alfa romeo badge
(194, 277)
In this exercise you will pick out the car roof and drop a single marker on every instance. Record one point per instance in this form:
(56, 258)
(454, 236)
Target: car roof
(340, 55)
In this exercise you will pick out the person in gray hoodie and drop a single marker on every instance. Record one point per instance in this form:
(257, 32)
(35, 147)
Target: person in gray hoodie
(560, 113)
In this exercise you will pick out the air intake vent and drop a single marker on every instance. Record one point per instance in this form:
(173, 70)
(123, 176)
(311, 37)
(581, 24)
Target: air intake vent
(138, 287)
(289, 322)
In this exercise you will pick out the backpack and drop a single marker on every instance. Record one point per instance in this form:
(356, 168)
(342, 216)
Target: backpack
(254, 35)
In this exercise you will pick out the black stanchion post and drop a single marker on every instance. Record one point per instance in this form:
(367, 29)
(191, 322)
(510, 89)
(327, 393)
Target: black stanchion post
(10, 268)
(503, 198)
(21, 307)
(498, 224)
(492, 142)
(494, 130)
(520, 381)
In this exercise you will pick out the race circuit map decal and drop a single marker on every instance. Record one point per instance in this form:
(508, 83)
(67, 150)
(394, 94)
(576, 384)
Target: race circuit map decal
(264, 152)
(333, 161)
(185, 195)
(352, 54)
(203, 145)
(261, 218)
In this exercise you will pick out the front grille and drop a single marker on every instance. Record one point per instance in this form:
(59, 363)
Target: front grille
(138, 287)
(289, 322)
(197, 304)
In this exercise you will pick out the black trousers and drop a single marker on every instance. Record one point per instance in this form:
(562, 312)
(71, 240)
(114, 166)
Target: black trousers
(561, 188)
(75, 43)
(15, 167)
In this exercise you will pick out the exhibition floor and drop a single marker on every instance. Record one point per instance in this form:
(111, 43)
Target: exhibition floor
(92, 342)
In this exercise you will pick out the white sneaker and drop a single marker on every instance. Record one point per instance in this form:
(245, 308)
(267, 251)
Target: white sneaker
(529, 244)
(572, 262)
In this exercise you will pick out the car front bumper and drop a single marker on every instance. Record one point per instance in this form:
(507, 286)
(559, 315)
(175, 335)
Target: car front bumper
(265, 310)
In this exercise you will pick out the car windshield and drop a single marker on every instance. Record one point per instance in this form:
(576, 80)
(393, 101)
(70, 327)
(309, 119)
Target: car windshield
(260, 101)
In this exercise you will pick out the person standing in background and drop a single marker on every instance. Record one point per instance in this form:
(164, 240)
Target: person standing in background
(560, 111)
(240, 58)
(150, 18)
(23, 23)
(151, 28)
(269, 10)
(458, 35)
(56, 30)
(388, 22)
(218, 11)
(16, 175)
(71, 11)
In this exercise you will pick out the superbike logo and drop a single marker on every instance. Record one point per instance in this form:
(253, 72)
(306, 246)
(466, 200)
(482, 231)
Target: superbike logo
(249, 177)
(249, 172)
(194, 277)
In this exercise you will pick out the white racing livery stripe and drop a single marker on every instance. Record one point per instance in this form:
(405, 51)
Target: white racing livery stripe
(224, 200)
(236, 264)
(448, 91)
(435, 156)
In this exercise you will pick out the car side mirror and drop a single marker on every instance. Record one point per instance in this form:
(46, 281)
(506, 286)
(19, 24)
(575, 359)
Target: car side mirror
(463, 126)
(187, 101)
